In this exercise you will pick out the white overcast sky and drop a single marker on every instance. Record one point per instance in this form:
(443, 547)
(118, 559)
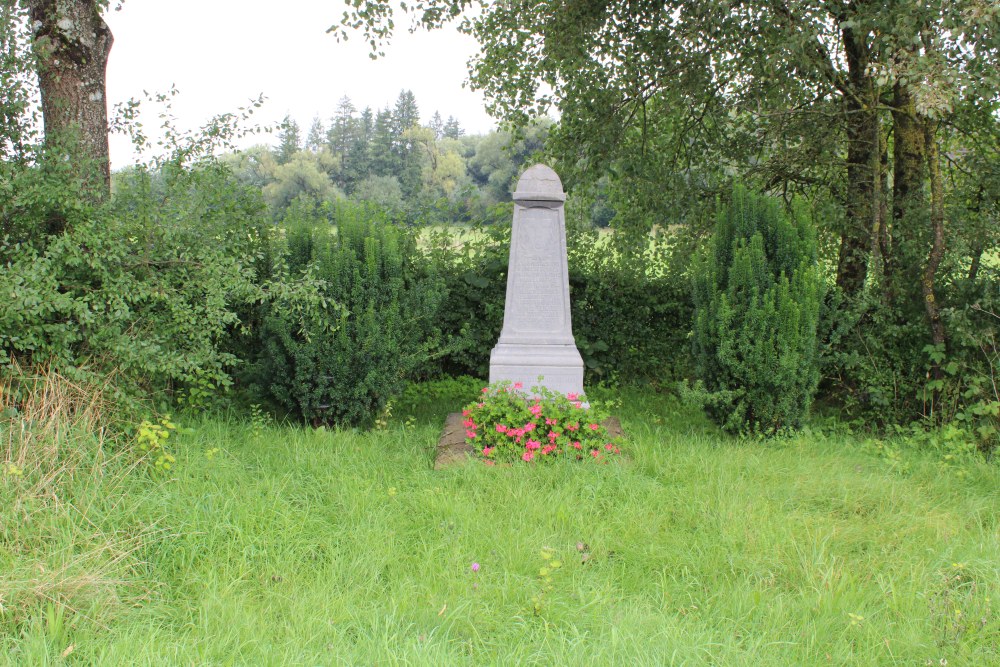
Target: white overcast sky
(222, 53)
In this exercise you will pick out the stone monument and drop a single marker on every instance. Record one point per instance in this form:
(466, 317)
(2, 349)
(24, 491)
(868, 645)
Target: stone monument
(537, 336)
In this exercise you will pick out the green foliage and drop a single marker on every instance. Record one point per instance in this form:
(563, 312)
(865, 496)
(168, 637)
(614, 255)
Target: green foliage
(879, 366)
(872, 358)
(757, 295)
(630, 301)
(152, 437)
(631, 304)
(342, 365)
(149, 284)
(508, 424)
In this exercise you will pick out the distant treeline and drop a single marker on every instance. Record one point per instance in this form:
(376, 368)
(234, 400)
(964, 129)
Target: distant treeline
(426, 173)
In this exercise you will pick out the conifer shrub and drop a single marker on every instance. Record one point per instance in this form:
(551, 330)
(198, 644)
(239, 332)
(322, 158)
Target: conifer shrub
(342, 364)
(757, 293)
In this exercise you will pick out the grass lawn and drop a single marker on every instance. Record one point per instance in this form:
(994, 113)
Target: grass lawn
(299, 547)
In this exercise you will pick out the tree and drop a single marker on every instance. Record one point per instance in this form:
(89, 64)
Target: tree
(437, 125)
(358, 160)
(316, 139)
(452, 129)
(71, 46)
(289, 140)
(303, 175)
(828, 99)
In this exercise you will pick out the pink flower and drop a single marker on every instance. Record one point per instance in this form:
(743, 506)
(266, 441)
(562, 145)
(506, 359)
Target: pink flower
(551, 422)
(530, 426)
(475, 567)
(469, 423)
(501, 428)
(490, 462)
(518, 385)
(608, 447)
(486, 390)
(578, 404)
(487, 451)
(553, 435)
(535, 409)
(572, 396)
(548, 449)
(573, 427)
(481, 405)
(471, 435)
(593, 427)
(577, 445)
(527, 456)
(595, 453)
(533, 444)
(466, 413)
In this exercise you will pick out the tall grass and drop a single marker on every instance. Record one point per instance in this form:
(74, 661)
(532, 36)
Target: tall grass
(290, 546)
(68, 540)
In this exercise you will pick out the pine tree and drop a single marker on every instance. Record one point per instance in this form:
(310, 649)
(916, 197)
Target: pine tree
(452, 129)
(437, 125)
(289, 140)
(316, 137)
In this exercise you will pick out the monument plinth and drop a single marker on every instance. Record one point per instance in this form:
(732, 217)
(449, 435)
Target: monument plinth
(537, 336)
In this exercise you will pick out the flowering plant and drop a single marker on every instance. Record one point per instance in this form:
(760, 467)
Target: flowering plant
(508, 424)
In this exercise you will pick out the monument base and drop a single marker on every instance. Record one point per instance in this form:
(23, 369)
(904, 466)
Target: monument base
(561, 366)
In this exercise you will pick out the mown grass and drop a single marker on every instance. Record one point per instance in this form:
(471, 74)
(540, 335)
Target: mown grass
(293, 546)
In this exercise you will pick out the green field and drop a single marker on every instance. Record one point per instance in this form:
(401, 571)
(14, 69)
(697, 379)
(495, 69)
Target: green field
(288, 546)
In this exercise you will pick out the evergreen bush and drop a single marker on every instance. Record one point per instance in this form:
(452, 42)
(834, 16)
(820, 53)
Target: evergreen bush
(757, 293)
(343, 365)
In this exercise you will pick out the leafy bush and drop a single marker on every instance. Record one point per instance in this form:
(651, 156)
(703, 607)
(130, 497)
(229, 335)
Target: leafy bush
(872, 359)
(343, 367)
(508, 425)
(757, 295)
(631, 305)
(878, 361)
(148, 284)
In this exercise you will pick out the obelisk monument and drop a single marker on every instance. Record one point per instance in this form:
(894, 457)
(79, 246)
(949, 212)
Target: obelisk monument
(537, 336)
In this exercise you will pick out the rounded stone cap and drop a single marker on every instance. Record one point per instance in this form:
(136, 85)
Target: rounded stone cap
(539, 184)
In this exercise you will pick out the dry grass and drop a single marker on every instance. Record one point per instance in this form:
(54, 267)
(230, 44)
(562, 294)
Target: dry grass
(63, 528)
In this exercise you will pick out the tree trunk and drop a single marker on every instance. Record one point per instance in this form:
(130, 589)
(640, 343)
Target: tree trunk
(72, 43)
(977, 256)
(862, 160)
(908, 200)
(937, 238)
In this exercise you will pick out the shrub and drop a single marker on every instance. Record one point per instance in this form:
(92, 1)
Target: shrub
(148, 284)
(757, 293)
(341, 366)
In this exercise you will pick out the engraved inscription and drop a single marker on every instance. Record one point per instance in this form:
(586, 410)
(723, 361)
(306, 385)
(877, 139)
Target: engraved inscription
(537, 299)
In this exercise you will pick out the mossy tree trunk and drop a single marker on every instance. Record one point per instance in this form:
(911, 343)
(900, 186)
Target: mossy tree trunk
(909, 201)
(937, 241)
(72, 43)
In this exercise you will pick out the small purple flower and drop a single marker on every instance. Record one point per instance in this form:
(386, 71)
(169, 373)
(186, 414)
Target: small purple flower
(475, 567)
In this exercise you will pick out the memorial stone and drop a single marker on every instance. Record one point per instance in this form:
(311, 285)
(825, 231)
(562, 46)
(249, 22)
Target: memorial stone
(537, 336)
